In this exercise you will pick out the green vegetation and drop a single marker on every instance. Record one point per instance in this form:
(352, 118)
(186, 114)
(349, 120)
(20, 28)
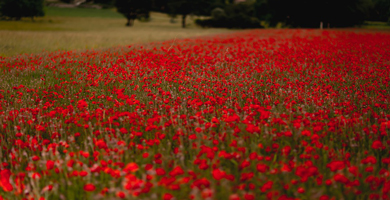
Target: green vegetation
(16, 9)
(375, 25)
(81, 12)
(240, 15)
(187, 7)
(133, 9)
(68, 30)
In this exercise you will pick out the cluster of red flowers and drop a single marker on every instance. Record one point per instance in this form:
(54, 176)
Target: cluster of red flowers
(267, 114)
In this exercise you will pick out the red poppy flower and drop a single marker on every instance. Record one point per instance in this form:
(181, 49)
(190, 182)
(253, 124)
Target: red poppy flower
(89, 187)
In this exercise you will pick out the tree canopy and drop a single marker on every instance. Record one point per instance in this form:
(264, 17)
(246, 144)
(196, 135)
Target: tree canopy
(133, 9)
(236, 14)
(16, 9)
(308, 13)
(186, 7)
(380, 10)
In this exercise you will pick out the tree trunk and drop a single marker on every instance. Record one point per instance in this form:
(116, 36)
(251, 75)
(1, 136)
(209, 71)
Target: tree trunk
(183, 20)
(130, 22)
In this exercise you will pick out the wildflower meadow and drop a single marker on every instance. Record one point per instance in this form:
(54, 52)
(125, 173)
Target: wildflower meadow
(259, 114)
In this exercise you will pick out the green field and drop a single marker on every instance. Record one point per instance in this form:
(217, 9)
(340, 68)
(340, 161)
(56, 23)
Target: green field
(376, 25)
(82, 12)
(82, 28)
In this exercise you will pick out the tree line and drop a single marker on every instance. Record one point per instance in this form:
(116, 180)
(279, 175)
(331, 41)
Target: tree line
(16, 9)
(249, 13)
(233, 13)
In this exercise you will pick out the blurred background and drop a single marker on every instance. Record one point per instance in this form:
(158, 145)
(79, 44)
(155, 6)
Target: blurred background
(33, 26)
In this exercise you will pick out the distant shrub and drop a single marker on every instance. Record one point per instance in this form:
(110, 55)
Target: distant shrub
(218, 14)
(237, 21)
(234, 16)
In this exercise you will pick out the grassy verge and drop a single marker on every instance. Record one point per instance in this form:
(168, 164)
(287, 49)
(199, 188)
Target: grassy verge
(79, 29)
(82, 12)
(376, 25)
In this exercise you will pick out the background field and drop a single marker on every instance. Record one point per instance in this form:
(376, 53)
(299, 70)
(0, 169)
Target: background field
(82, 28)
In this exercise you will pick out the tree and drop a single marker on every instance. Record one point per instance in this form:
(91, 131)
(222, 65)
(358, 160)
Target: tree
(309, 13)
(380, 10)
(16, 9)
(235, 15)
(160, 5)
(133, 9)
(182, 7)
(186, 7)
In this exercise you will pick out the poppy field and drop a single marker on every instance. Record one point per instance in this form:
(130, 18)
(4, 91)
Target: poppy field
(260, 114)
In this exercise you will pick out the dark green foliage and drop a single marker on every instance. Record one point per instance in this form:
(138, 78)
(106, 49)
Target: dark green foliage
(67, 1)
(160, 5)
(227, 13)
(239, 22)
(309, 13)
(16, 9)
(297, 13)
(218, 13)
(261, 9)
(104, 3)
(241, 15)
(186, 7)
(133, 9)
(380, 11)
